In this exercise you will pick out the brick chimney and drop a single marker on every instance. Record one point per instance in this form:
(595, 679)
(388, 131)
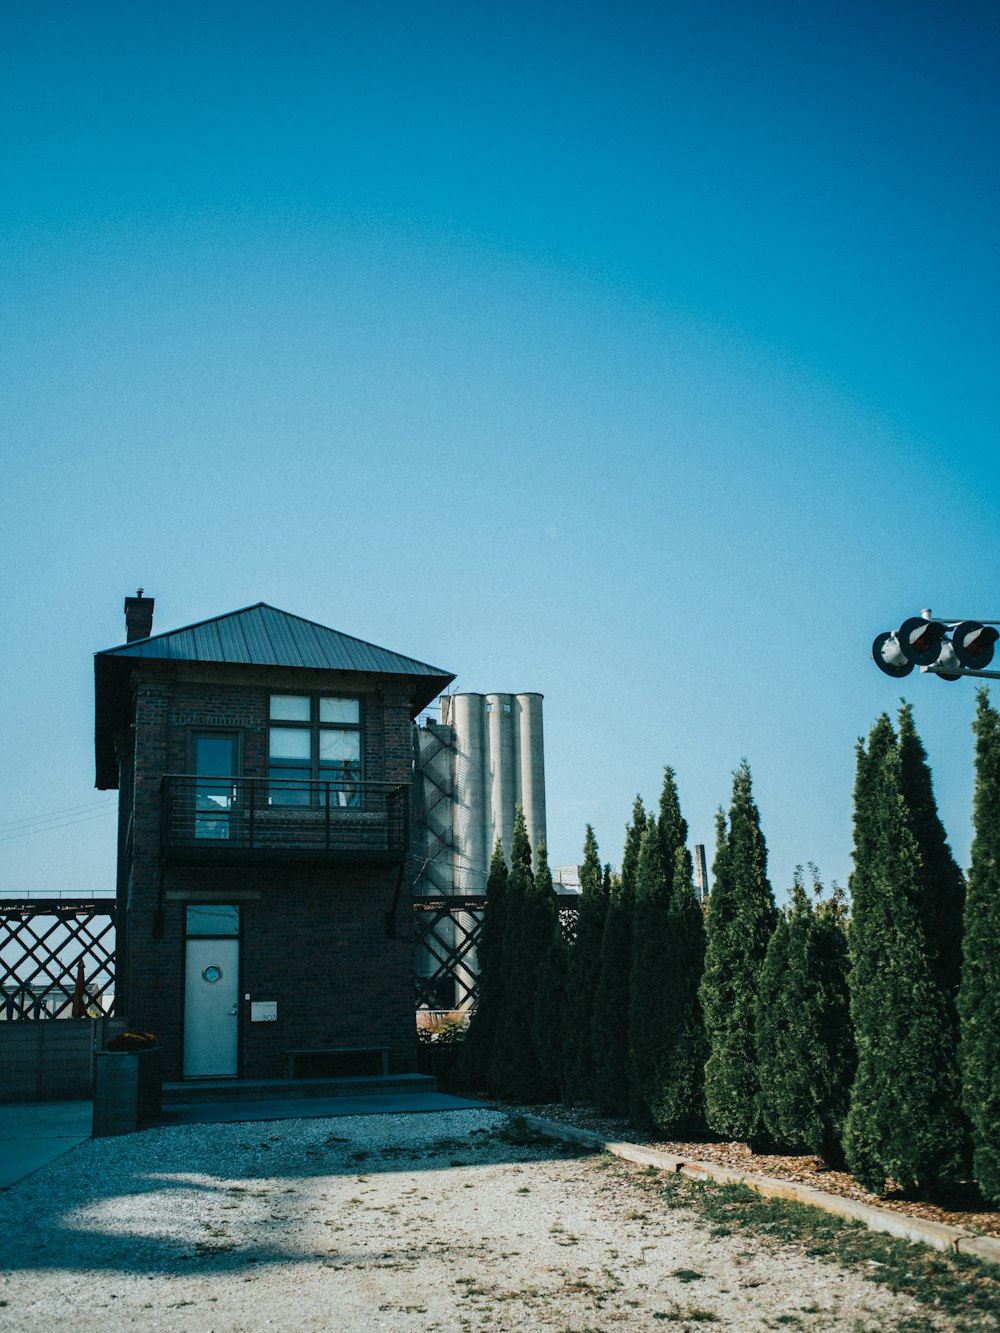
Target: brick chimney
(138, 617)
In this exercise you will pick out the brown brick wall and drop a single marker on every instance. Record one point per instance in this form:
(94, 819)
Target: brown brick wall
(313, 938)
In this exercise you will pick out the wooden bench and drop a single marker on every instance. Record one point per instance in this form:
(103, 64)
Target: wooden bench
(328, 1058)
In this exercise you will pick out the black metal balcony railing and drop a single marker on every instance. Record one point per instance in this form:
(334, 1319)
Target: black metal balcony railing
(214, 817)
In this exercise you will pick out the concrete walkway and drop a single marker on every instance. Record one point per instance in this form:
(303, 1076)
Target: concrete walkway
(35, 1133)
(310, 1108)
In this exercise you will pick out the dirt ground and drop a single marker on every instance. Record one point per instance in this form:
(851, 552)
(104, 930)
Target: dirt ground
(409, 1222)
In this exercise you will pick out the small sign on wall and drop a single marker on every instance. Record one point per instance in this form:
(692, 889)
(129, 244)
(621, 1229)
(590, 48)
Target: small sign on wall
(264, 1011)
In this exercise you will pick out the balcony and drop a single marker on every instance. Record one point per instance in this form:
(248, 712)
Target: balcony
(212, 819)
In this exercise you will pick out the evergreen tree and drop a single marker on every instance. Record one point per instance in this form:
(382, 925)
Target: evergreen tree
(805, 1045)
(610, 1026)
(677, 1100)
(943, 895)
(548, 1017)
(979, 998)
(666, 1031)
(904, 1121)
(648, 980)
(477, 1048)
(741, 917)
(584, 964)
(671, 826)
(515, 1072)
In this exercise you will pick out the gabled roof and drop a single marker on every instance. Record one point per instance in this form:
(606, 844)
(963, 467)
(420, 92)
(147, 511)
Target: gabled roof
(259, 635)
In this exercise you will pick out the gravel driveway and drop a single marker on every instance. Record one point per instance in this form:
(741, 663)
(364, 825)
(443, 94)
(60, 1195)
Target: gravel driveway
(394, 1222)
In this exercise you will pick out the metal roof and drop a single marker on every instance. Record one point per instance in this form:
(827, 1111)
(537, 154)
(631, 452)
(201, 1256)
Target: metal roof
(262, 635)
(258, 635)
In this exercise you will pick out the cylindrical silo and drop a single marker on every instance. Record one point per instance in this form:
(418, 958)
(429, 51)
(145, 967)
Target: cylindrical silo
(501, 771)
(469, 800)
(531, 763)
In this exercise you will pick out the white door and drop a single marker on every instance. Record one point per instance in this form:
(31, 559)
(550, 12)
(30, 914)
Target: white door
(211, 1008)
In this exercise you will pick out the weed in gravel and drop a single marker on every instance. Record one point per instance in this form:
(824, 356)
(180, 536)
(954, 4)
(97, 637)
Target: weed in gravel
(517, 1131)
(682, 1314)
(957, 1287)
(687, 1275)
(519, 1134)
(438, 1146)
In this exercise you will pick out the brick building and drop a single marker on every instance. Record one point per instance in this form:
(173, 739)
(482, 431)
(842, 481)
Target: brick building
(264, 765)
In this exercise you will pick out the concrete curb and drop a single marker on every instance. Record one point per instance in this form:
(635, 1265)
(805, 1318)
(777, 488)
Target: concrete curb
(952, 1240)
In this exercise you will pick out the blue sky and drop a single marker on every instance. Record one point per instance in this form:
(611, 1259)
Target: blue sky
(642, 355)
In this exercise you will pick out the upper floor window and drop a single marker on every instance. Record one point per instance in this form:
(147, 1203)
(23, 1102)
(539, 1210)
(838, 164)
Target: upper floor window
(314, 738)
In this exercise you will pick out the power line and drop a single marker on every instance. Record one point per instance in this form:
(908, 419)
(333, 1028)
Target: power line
(53, 827)
(8, 825)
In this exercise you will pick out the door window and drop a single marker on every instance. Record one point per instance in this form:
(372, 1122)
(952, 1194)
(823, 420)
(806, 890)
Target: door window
(215, 764)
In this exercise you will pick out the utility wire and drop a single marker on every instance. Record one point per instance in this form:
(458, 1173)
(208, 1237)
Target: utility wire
(8, 825)
(50, 828)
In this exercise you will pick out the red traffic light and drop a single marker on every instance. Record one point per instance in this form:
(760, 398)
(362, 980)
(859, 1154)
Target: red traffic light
(920, 640)
(974, 644)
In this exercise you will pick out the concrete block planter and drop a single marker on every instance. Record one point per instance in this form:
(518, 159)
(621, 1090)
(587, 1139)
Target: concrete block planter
(128, 1090)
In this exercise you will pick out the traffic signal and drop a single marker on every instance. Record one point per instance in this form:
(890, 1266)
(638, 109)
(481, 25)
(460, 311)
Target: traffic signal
(920, 640)
(889, 656)
(924, 642)
(973, 644)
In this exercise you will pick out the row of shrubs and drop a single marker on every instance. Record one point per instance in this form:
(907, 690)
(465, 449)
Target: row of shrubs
(865, 1030)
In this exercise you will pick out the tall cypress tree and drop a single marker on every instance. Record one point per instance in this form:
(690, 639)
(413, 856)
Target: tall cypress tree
(583, 968)
(943, 886)
(805, 1045)
(477, 1048)
(665, 1025)
(979, 998)
(741, 917)
(903, 1120)
(647, 982)
(610, 1027)
(670, 824)
(677, 1103)
(515, 1072)
(548, 1015)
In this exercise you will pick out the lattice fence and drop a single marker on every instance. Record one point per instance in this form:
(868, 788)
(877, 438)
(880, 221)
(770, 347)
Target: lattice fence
(448, 931)
(57, 958)
(43, 943)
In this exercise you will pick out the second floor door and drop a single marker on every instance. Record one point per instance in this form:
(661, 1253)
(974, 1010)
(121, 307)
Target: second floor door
(215, 760)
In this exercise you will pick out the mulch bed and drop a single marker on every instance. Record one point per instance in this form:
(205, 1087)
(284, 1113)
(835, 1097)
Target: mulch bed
(966, 1210)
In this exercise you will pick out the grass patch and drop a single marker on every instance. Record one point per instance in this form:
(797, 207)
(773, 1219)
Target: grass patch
(958, 1287)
